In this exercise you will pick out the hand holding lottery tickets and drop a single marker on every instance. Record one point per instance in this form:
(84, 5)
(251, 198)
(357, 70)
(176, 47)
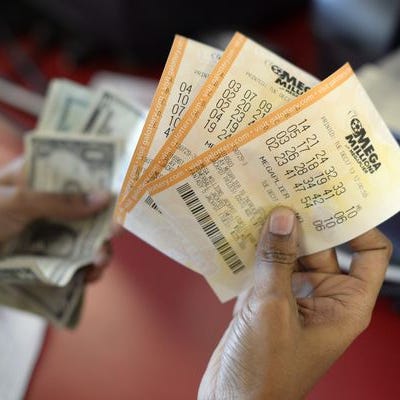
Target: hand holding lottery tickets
(259, 133)
(298, 319)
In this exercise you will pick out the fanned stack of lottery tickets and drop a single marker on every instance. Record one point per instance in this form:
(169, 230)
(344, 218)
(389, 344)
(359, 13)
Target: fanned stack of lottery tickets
(232, 134)
(80, 144)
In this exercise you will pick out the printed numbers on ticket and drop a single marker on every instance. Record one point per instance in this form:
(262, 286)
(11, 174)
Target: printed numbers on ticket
(188, 66)
(327, 154)
(248, 82)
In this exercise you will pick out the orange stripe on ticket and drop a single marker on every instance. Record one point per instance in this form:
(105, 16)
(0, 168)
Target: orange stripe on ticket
(153, 118)
(187, 122)
(156, 110)
(246, 135)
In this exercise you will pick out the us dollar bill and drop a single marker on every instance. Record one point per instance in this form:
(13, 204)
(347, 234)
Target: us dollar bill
(52, 251)
(112, 115)
(65, 107)
(60, 305)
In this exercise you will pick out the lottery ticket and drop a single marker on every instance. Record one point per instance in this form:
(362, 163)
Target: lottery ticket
(327, 154)
(188, 65)
(248, 82)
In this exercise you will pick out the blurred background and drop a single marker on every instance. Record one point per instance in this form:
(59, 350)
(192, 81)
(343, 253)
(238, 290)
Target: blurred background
(149, 326)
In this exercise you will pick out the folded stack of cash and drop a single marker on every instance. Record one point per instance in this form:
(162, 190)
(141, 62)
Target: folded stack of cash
(80, 145)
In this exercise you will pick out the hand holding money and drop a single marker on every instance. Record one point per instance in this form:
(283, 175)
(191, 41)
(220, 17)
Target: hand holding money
(20, 205)
(57, 214)
(20, 208)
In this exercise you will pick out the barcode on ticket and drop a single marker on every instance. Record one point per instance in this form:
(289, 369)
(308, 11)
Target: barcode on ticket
(210, 228)
(150, 202)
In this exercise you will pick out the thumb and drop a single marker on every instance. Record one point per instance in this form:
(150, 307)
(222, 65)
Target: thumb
(61, 206)
(276, 254)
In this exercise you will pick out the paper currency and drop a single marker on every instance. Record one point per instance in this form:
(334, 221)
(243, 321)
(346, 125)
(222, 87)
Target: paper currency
(60, 305)
(54, 250)
(110, 115)
(65, 106)
(70, 165)
(38, 269)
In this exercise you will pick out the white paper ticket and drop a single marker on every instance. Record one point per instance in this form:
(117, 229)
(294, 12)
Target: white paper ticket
(188, 65)
(327, 154)
(257, 82)
(248, 82)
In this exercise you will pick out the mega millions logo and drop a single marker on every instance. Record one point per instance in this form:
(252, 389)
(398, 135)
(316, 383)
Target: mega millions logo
(361, 148)
(289, 82)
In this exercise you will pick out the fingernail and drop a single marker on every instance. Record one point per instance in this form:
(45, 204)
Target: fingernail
(98, 198)
(281, 221)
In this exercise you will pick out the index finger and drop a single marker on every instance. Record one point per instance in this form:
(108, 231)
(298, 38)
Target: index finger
(372, 252)
(323, 261)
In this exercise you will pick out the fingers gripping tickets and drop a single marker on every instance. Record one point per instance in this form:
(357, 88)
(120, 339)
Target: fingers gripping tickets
(279, 344)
